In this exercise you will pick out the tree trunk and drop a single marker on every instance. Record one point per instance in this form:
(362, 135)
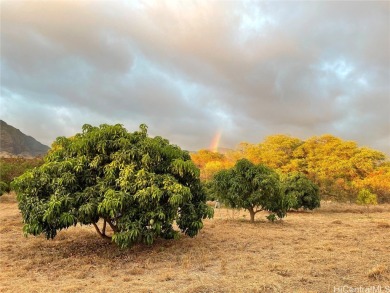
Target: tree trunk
(104, 236)
(104, 227)
(113, 227)
(252, 214)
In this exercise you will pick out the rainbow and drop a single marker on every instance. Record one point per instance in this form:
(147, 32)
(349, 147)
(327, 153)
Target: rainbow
(215, 142)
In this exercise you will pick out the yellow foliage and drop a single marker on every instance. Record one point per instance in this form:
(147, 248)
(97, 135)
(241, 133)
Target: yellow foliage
(379, 182)
(339, 167)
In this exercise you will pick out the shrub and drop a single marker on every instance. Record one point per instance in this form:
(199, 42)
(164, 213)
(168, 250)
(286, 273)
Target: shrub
(305, 191)
(365, 197)
(4, 188)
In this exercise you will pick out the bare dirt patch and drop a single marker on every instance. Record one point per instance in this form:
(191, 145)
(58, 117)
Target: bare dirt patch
(306, 252)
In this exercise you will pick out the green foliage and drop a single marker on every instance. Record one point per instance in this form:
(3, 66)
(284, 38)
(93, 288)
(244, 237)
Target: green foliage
(365, 197)
(305, 191)
(252, 187)
(136, 184)
(209, 189)
(14, 167)
(271, 217)
(4, 188)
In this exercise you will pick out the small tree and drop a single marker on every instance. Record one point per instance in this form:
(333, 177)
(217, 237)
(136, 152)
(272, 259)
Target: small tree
(252, 187)
(135, 184)
(365, 197)
(305, 191)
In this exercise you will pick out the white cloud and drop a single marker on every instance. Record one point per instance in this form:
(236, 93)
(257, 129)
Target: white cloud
(189, 70)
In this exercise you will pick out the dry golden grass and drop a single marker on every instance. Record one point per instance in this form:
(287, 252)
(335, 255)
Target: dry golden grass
(307, 252)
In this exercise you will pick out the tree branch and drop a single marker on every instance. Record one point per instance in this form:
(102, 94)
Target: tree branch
(104, 236)
(113, 227)
(104, 227)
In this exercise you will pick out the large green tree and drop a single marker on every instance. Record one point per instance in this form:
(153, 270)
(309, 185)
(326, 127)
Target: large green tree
(252, 187)
(108, 177)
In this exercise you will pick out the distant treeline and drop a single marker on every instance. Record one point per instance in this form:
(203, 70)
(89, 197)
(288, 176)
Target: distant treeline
(340, 168)
(14, 167)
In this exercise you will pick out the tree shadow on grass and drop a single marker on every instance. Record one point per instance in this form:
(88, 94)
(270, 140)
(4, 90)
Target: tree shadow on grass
(80, 243)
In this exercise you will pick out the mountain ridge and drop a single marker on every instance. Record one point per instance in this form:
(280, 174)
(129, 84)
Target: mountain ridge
(14, 143)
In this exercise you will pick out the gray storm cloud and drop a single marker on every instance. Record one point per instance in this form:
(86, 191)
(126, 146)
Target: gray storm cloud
(189, 69)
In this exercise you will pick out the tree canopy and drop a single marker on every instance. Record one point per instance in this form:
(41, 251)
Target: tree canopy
(252, 187)
(105, 175)
(305, 191)
(365, 197)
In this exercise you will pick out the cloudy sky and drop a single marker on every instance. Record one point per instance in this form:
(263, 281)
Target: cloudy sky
(190, 70)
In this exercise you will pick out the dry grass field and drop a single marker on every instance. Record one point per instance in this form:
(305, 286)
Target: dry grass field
(336, 246)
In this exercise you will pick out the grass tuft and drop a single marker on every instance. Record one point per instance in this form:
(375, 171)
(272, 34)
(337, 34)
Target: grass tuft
(379, 273)
(383, 225)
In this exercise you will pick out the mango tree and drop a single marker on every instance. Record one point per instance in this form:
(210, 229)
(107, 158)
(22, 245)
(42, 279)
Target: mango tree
(252, 187)
(108, 177)
(304, 190)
